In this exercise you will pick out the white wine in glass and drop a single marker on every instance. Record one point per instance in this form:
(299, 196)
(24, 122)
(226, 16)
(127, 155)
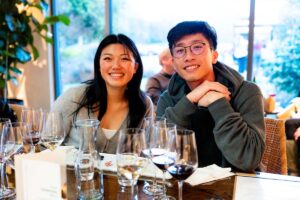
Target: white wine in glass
(53, 133)
(130, 160)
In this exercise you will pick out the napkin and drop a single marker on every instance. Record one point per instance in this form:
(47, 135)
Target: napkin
(207, 174)
(108, 163)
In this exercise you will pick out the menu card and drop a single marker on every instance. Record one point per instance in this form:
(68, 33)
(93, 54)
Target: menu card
(41, 175)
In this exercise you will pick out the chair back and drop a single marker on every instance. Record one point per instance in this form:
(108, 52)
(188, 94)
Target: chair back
(275, 158)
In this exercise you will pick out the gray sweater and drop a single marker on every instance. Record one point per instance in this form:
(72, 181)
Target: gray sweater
(227, 133)
(67, 103)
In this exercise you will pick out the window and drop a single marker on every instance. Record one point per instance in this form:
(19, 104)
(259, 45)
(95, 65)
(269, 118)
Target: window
(138, 19)
(276, 50)
(77, 43)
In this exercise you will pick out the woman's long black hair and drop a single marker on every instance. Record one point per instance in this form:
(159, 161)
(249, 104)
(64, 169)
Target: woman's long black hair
(95, 96)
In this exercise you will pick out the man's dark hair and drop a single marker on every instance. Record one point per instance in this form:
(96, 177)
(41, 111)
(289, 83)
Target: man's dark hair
(192, 27)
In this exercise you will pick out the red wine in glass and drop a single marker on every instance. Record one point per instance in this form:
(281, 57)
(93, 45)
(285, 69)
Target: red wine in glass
(163, 162)
(181, 172)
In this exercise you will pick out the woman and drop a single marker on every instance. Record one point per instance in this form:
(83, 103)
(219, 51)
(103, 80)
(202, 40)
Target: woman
(113, 96)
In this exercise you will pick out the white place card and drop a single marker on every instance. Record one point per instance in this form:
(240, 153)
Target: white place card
(40, 175)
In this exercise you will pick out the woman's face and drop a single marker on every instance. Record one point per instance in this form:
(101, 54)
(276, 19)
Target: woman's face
(117, 66)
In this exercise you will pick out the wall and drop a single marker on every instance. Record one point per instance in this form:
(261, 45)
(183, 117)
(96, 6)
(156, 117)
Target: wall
(36, 86)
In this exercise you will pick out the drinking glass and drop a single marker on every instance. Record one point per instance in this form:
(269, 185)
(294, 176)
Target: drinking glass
(186, 159)
(35, 119)
(53, 131)
(152, 188)
(161, 154)
(88, 159)
(7, 147)
(130, 160)
(23, 143)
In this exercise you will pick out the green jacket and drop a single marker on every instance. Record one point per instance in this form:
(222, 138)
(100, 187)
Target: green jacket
(229, 134)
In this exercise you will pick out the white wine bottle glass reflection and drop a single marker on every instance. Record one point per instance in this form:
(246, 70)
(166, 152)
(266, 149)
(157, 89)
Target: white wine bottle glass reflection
(53, 132)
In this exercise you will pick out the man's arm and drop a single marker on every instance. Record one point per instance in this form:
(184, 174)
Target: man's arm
(239, 131)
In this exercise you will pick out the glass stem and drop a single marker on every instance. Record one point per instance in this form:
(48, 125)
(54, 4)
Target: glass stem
(180, 184)
(3, 177)
(164, 184)
(155, 178)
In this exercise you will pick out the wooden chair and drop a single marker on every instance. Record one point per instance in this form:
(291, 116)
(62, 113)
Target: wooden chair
(275, 158)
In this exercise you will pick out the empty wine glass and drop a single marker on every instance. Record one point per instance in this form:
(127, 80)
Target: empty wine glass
(152, 188)
(35, 119)
(7, 146)
(130, 160)
(53, 131)
(186, 157)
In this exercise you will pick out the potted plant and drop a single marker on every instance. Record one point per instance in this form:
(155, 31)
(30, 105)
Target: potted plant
(19, 21)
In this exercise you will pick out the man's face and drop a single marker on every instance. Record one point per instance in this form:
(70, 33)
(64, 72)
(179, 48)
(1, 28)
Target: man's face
(191, 67)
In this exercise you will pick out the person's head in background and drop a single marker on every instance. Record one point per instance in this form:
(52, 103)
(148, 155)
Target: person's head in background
(193, 46)
(166, 61)
(118, 65)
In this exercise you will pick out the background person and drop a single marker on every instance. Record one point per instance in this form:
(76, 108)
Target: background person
(113, 96)
(159, 82)
(204, 95)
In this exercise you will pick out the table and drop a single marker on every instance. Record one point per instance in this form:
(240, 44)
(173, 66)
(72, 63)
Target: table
(222, 189)
(241, 186)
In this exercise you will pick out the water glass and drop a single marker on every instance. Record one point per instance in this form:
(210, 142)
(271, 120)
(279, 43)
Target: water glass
(89, 185)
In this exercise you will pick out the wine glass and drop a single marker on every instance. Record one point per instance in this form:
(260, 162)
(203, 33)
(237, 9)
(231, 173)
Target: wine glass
(53, 131)
(161, 154)
(35, 119)
(23, 140)
(152, 188)
(7, 147)
(186, 157)
(130, 160)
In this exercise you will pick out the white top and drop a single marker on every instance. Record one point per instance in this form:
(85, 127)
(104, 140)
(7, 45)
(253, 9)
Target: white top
(109, 133)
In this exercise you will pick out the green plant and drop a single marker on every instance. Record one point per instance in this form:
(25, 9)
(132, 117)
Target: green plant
(20, 20)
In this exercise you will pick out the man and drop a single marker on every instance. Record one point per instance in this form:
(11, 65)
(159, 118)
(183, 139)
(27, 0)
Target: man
(159, 82)
(225, 111)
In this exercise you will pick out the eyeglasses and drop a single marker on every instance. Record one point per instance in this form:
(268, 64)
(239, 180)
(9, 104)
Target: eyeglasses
(197, 48)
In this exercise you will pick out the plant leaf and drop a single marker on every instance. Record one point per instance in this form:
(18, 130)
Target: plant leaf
(35, 52)
(58, 18)
(16, 70)
(22, 55)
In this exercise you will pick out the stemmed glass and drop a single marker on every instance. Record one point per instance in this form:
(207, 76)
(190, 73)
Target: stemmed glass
(53, 131)
(161, 154)
(23, 140)
(130, 160)
(7, 147)
(35, 119)
(152, 188)
(186, 157)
